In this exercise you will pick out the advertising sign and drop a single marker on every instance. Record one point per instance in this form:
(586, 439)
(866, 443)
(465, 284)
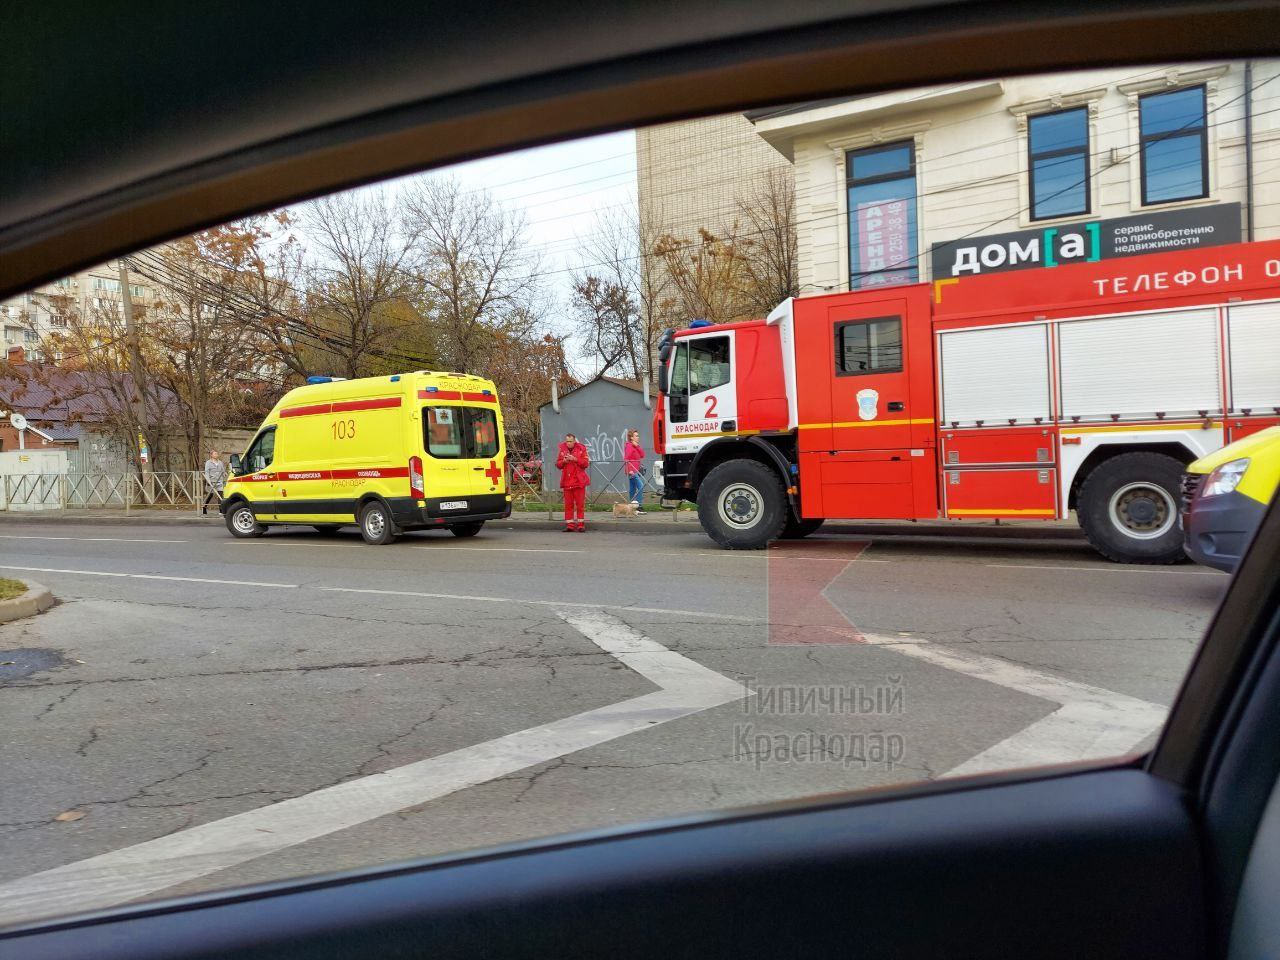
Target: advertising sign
(883, 252)
(1186, 229)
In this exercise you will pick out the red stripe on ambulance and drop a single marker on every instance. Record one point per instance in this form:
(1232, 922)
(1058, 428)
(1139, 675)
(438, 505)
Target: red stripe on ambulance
(305, 411)
(377, 403)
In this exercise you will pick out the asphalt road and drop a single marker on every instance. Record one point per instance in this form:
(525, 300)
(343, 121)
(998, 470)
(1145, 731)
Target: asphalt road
(203, 712)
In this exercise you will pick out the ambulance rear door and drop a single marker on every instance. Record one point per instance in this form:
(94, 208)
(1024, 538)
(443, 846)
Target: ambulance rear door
(463, 470)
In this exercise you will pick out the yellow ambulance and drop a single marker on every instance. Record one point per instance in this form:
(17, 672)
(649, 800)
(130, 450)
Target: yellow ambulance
(405, 452)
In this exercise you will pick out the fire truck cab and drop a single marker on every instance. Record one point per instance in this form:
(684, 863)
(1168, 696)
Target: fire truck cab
(1015, 396)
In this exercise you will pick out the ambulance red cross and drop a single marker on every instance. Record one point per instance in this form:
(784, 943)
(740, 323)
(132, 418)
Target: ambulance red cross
(1015, 396)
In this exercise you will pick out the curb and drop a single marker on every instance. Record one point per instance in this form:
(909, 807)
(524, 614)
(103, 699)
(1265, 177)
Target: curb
(37, 599)
(1060, 531)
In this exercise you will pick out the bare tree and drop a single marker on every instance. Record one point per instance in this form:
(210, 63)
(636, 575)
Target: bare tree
(608, 317)
(478, 278)
(205, 330)
(707, 276)
(94, 363)
(524, 368)
(360, 285)
(621, 302)
(768, 241)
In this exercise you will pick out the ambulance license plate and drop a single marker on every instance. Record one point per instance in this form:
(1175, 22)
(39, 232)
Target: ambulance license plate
(453, 504)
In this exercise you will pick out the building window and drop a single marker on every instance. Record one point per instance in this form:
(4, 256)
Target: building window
(1058, 162)
(882, 215)
(869, 346)
(1174, 146)
(30, 336)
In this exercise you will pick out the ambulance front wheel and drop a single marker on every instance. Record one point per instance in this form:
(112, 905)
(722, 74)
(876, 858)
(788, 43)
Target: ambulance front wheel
(742, 505)
(1128, 508)
(242, 523)
(469, 529)
(376, 525)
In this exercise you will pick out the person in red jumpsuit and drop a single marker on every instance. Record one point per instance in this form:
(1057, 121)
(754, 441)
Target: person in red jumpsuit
(574, 480)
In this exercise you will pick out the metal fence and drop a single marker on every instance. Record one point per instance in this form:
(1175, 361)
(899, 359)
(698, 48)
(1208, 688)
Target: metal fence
(55, 491)
(186, 488)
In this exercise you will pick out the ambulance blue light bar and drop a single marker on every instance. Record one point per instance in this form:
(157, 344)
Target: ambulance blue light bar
(319, 380)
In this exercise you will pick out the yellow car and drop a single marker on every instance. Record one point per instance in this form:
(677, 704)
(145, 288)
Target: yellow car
(409, 451)
(1224, 496)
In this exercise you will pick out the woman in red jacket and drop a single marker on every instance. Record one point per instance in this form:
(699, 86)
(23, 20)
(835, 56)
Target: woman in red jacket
(574, 480)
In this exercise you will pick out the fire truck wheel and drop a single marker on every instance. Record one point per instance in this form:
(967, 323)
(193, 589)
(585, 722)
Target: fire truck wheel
(742, 505)
(376, 525)
(1128, 508)
(799, 529)
(242, 523)
(466, 529)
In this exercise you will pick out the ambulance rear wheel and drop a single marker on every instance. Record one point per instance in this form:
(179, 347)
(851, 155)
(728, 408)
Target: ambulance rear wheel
(742, 505)
(466, 529)
(242, 523)
(376, 525)
(799, 529)
(1128, 508)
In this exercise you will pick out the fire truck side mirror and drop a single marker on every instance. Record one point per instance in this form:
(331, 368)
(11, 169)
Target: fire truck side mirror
(662, 377)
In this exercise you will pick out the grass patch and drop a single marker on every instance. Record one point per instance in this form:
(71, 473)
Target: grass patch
(11, 588)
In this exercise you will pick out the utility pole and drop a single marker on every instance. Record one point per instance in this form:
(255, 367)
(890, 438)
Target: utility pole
(135, 367)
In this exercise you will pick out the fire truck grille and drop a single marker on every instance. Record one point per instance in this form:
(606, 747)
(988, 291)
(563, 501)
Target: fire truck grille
(1191, 483)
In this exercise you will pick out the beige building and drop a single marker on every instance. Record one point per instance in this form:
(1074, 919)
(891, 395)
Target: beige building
(957, 179)
(28, 318)
(692, 174)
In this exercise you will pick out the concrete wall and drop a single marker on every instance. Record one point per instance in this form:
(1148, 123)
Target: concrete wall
(599, 414)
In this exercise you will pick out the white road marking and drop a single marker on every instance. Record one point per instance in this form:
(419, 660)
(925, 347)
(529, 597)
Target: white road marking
(1116, 567)
(543, 603)
(686, 687)
(14, 536)
(1091, 722)
(152, 576)
(704, 614)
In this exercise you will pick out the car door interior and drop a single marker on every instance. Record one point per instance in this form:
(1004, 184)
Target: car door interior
(1175, 855)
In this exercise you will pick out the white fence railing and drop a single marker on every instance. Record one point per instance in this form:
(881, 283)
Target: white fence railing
(57, 491)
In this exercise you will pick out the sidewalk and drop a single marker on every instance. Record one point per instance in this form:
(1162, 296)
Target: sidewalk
(652, 522)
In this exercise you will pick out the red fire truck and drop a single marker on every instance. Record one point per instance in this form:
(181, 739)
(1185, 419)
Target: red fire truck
(1017, 396)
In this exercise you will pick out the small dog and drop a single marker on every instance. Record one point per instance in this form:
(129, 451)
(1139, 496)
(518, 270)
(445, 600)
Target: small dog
(624, 509)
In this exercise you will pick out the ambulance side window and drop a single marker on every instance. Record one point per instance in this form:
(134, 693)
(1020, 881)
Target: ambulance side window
(442, 432)
(451, 433)
(261, 452)
(482, 431)
(869, 346)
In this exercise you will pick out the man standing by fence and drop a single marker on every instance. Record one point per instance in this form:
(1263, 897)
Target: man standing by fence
(215, 477)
